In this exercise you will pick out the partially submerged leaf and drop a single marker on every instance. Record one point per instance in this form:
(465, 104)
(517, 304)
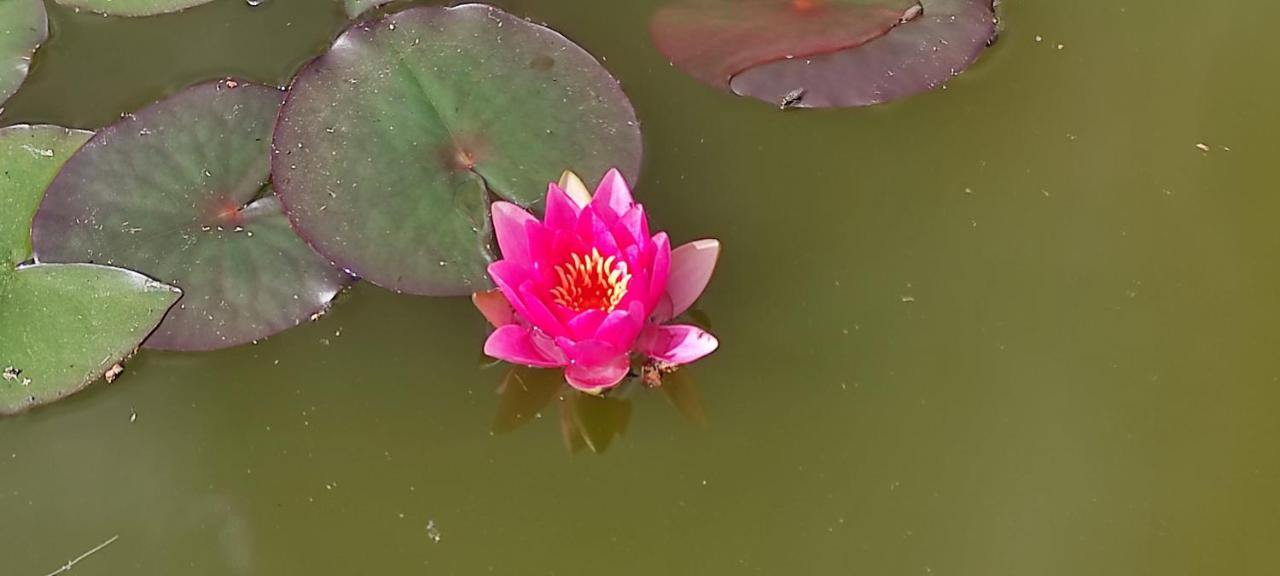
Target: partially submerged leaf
(825, 53)
(61, 326)
(177, 191)
(392, 143)
(24, 27)
(132, 7)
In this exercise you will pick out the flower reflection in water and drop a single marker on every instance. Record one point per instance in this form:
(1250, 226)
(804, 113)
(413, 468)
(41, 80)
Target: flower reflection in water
(586, 421)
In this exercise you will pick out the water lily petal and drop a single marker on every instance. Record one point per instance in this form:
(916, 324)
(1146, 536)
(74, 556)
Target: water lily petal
(511, 278)
(593, 229)
(494, 306)
(575, 188)
(562, 209)
(593, 365)
(677, 344)
(622, 327)
(691, 267)
(613, 196)
(660, 269)
(509, 224)
(632, 228)
(513, 343)
(584, 325)
(538, 312)
(596, 379)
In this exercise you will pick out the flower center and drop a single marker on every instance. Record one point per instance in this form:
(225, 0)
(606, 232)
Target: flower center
(590, 281)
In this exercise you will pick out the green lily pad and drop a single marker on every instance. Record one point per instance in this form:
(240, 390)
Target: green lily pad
(178, 191)
(24, 26)
(132, 8)
(357, 7)
(62, 326)
(391, 145)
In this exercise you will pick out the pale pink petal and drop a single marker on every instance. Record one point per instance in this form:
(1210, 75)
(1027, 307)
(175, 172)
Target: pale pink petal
(495, 307)
(573, 186)
(509, 223)
(613, 195)
(562, 211)
(677, 344)
(513, 344)
(691, 268)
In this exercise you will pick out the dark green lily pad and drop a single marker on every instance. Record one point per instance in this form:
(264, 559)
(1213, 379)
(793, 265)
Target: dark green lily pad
(62, 326)
(178, 191)
(132, 7)
(24, 27)
(390, 144)
(825, 53)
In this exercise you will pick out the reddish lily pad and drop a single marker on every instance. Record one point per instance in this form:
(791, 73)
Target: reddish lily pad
(178, 191)
(62, 326)
(391, 145)
(24, 26)
(132, 7)
(825, 53)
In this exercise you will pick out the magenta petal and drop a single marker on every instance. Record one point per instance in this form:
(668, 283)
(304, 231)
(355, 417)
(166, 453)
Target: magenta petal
(660, 270)
(593, 365)
(509, 224)
(592, 227)
(494, 306)
(537, 313)
(584, 325)
(513, 344)
(513, 279)
(595, 379)
(632, 228)
(677, 344)
(613, 194)
(562, 211)
(622, 327)
(691, 268)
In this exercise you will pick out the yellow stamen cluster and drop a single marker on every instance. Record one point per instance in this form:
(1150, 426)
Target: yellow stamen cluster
(591, 281)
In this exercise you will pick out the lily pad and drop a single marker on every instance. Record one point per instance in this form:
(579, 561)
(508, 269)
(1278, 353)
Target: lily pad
(178, 191)
(62, 326)
(357, 7)
(132, 8)
(825, 53)
(24, 26)
(391, 145)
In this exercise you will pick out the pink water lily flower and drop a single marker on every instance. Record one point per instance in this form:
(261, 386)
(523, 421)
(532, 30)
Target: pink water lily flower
(587, 287)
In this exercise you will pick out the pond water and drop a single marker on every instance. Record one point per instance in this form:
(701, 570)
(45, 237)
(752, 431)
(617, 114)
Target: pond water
(1022, 325)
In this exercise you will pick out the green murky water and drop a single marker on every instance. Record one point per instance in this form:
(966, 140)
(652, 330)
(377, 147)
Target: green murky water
(1019, 326)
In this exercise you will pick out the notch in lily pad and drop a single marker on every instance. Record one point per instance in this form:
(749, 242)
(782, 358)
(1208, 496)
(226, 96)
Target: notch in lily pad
(62, 326)
(391, 145)
(179, 191)
(825, 53)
